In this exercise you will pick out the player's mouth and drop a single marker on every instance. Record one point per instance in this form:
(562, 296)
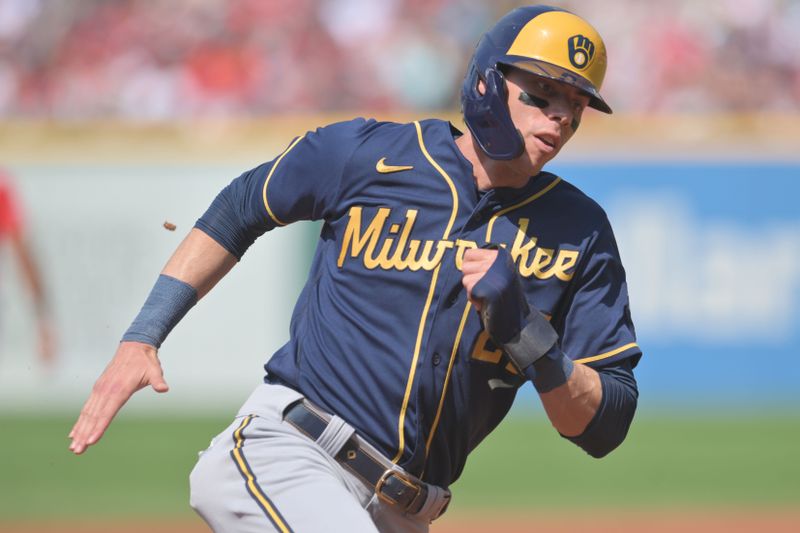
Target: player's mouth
(548, 141)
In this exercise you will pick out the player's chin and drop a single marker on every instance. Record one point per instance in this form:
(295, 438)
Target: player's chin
(535, 158)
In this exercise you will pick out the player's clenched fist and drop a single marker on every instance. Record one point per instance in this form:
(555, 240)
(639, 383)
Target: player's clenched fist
(493, 286)
(475, 264)
(134, 366)
(523, 333)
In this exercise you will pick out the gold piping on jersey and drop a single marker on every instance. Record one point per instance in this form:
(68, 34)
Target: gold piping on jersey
(446, 177)
(516, 206)
(412, 372)
(250, 480)
(435, 424)
(421, 330)
(269, 176)
(606, 355)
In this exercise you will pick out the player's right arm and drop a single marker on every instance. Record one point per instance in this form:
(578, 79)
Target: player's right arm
(199, 262)
(303, 183)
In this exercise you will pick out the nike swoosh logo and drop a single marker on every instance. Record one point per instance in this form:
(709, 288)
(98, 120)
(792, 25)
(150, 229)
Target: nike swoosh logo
(383, 168)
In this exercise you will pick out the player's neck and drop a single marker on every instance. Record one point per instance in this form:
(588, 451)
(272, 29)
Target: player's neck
(490, 173)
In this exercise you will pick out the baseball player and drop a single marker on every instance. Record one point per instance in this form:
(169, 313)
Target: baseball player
(450, 271)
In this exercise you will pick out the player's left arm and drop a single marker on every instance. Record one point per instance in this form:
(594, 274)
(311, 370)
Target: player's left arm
(591, 408)
(594, 408)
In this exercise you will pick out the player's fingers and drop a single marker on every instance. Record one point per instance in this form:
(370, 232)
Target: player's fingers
(158, 382)
(481, 254)
(86, 417)
(86, 428)
(133, 367)
(82, 428)
(469, 281)
(93, 424)
(475, 268)
(154, 376)
(108, 396)
(478, 260)
(76, 436)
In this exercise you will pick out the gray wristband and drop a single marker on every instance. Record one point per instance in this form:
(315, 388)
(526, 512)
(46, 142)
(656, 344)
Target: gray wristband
(536, 354)
(550, 371)
(534, 340)
(167, 304)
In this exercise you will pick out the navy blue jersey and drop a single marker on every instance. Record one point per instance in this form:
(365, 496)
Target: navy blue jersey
(383, 334)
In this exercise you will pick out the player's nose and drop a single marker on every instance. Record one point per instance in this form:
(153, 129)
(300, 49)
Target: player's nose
(560, 110)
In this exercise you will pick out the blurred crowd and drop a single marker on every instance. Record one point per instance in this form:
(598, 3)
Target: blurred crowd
(172, 59)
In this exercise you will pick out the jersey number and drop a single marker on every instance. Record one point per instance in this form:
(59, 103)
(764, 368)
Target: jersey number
(486, 350)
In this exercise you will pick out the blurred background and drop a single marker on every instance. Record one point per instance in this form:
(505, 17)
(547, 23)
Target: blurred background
(117, 116)
(144, 60)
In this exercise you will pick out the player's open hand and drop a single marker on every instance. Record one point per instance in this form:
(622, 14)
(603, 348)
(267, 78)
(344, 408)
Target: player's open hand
(474, 265)
(134, 366)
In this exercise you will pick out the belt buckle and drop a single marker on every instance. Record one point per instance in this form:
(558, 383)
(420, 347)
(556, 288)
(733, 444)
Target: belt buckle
(403, 479)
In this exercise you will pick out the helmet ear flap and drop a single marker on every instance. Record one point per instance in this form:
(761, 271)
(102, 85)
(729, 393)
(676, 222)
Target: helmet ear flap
(488, 118)
(497, 80)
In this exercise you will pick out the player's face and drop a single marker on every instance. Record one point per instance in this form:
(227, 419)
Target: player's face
(546, 112)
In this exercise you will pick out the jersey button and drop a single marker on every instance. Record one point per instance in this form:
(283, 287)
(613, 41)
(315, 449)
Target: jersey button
(436, 359)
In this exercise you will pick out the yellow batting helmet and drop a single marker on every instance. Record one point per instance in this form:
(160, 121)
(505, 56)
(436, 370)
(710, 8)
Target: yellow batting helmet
(546, 41)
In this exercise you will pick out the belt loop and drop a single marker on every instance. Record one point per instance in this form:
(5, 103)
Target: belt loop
(335, 435)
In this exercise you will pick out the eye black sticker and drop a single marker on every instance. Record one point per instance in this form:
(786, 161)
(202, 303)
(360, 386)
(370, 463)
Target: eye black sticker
(533, 100)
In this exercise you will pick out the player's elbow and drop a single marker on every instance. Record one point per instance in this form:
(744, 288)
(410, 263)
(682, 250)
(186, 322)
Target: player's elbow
(599, 447)
(609, 426)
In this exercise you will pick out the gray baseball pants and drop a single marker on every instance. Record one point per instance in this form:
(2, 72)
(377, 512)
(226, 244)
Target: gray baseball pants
(262, 474)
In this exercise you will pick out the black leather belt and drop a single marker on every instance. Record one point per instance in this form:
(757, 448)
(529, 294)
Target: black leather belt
(393, 487)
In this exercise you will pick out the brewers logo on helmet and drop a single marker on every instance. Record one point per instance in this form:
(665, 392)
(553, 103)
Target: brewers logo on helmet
(546, 41)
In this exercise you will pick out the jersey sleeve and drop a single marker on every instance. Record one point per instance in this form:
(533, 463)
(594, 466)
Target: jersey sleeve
(304, 182)
(598, 328)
